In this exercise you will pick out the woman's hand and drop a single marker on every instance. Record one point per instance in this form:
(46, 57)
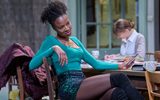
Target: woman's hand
(126, 64)
(61, 55)
(121, 66)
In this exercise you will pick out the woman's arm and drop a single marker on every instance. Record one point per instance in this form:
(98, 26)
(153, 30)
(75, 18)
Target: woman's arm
(97, 64)
(47, 49)
(44, 51)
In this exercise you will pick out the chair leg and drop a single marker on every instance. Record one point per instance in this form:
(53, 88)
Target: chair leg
(20, 83)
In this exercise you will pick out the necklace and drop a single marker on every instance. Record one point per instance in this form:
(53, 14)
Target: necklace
(66, 42)
(69, 43)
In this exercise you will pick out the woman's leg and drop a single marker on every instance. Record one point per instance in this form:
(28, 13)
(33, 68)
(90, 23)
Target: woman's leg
(107, 95)
(94, 87)
(120, 80)
(119, 94)
(115, 94)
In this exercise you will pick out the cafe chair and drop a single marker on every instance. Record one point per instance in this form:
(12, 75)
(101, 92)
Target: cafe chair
(155, 55)
(51, 81)
(153, 84)
(149, 56)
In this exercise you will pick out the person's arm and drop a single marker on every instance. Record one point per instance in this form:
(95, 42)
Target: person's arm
(44, 51)
(47, 49)
(140, 44)
(96, 64)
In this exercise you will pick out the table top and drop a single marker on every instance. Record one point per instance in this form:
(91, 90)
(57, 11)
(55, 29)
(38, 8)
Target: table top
(88, 69)
(128, 72)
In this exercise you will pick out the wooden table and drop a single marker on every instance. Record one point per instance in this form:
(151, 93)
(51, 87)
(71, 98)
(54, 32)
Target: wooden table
(136, 77)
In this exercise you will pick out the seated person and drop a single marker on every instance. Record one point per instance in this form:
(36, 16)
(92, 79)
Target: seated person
(66, 53)
(132, 42)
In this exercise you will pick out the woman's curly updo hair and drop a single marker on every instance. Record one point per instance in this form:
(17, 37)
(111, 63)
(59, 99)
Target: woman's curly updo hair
(53, 11)
(122, 24)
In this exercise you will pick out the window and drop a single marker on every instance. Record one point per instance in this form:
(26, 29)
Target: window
(97, 18)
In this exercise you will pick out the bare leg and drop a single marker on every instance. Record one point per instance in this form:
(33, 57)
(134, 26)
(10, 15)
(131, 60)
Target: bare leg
(94, 87)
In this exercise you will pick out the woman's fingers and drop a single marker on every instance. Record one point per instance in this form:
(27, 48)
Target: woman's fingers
(62, 57)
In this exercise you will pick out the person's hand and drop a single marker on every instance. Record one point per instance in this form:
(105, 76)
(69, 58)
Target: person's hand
(126, 64)
(121, 66)
(61, 55)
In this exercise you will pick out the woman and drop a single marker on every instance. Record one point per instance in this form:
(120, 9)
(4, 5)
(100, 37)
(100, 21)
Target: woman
(67, 52)
(132, 42)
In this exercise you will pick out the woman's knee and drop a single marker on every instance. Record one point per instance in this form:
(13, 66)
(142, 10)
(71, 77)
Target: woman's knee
(119, 94)
(119, 80)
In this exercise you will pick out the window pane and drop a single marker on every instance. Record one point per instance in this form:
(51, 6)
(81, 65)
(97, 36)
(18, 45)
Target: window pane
(91, 36)
(91, 24)
(105, 22)
(100, 16)
(131, 10)
(104, 11)
(116, 9)
(116, 14)
(129, 13)
(90, 13)
(115, 42)
(104, 36)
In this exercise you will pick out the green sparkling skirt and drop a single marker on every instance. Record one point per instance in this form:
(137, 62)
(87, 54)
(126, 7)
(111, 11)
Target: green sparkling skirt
(69, 83)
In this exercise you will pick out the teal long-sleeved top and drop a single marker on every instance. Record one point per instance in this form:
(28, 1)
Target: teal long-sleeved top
(74, 55)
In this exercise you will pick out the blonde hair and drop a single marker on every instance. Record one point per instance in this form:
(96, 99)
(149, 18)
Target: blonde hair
(122, 24)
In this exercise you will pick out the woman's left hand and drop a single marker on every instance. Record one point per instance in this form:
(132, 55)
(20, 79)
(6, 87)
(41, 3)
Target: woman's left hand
(121, 66)
(61, 54)
(126, 65)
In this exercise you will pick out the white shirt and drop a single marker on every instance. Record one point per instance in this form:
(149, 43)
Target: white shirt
(135, 44)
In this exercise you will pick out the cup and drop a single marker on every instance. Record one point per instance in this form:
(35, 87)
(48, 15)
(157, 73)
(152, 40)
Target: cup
(150, 65)
(95, 53)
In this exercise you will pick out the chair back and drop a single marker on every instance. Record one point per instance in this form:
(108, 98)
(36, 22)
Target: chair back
(153, 84)
(149, 56)
(52, 80)
(157, 56)
(49, 79)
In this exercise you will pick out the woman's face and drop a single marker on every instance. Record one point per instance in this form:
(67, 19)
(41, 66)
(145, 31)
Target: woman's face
(123, 34)
(63, 26)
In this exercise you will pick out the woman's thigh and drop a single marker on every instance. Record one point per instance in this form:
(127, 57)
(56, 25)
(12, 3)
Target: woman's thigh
(93, 87)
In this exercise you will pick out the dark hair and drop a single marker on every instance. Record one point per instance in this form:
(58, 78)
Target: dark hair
(53, 11)
(122, 24)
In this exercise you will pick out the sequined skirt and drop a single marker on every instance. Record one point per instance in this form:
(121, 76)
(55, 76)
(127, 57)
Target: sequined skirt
(69, 83)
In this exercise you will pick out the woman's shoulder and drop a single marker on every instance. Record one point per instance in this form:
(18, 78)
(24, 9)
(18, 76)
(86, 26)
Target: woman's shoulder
(50, 38)
(140, 35)
(74, 38)
(140, 38)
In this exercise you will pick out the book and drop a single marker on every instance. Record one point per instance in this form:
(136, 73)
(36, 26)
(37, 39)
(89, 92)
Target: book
(138, 66)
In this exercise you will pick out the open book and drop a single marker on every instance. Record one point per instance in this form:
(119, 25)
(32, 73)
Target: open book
(135, 65)
(138, 66)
